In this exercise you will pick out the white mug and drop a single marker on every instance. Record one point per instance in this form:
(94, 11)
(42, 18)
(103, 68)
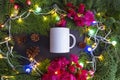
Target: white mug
(60, 40)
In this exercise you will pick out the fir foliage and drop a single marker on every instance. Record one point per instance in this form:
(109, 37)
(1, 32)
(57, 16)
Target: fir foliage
(110, 15)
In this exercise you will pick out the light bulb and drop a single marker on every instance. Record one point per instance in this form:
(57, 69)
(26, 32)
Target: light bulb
(1, 56)
(37, 9)
(91, 32)
(44, 18)
(114, 43)
(81, 64)
(101, 58)
(20, 20)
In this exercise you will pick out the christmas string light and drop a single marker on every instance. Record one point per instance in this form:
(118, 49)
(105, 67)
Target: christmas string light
(55, 10)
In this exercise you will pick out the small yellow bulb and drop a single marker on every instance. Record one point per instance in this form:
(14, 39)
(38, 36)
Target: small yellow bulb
(101, 58)
(20, 20)
(30, 10)
(1, 56)
(31, 59)
(2, 25)
(44, 18)
(94, 45)
(98, 14)
(7, 38)
(73, 63)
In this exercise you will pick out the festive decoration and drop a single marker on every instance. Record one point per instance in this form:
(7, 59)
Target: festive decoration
(32, 51)
(63, 69)
(28, 2)
(81, 17)
(98, 40)
(34, 37)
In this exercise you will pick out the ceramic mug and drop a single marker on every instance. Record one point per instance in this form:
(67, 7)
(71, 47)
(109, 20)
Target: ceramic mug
(60, 40)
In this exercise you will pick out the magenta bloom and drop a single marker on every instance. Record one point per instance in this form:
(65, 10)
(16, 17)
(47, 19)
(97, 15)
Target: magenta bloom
(81, 9)
(79, 21)
(74, 58)
(54, 66)
(70, 5)
(62, 23)
(50, 77)
(71, 13)
(67, 76)
(89, 18)
(72, 68)
(80, 16)
(82, 75)
(62, 69)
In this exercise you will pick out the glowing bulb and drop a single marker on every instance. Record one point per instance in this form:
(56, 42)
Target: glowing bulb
(98, 14)
(88, 49)
(114, 43)
(101, 58)
(56, 72)
(94, 45)
(44, 18)
(30, 10)
(16, 6)
(91, 32)
(7, 38)
(28, 2)
(20, 20)
(31, 59)
(1, 56)
(28, 68)
(57, 18)
(81, 64)
(73, 63)
(37, 9)
(2, 25)
(14, 13)
(94, 23)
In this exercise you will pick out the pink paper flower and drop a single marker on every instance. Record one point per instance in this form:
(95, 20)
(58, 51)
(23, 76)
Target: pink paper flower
(79, 21)
(71, 13)
(61, 23)
(54, 66)
(89, 18)
(62, 69)
(80, 16)
(74, 58)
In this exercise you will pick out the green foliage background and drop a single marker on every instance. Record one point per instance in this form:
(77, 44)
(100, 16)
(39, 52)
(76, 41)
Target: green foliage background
(110, 16)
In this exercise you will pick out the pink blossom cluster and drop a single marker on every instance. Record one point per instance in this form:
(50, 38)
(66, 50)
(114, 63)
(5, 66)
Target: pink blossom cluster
(80, 16)
(63, 69)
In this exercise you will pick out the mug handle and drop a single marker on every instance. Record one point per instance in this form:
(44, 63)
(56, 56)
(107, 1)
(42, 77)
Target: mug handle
(74, 41)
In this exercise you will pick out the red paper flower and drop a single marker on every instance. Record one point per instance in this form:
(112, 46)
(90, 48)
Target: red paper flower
(82, 75)
(81, 9)
(80, 16)
(67, 76)
(72, 68)
(62, 69)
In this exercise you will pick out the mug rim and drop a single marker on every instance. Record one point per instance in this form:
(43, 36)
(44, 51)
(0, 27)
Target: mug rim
(60, 27)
